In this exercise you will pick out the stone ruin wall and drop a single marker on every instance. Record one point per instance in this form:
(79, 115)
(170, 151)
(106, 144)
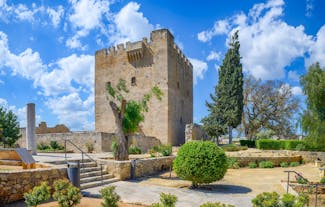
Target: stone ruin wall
(43, 129)
(195, 132)
(143, 65)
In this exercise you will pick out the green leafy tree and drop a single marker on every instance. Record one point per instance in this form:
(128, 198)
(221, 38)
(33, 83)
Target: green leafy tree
(166, 200)
(38, 195)
(228, 100)
(200, 162)
(269, 106)
(128, 114)
(313, 120)
(9, 127)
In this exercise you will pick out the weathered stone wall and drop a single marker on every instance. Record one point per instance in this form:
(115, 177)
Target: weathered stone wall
(306, 155)
(195, 132)
(102, 142)
(143, 167)
(43, 129)
(143, 65)
(13, 184)
(243, 161)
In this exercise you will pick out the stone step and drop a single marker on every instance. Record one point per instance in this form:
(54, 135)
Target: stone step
(88, 164)
(63, 162)
(92, 173)
(89, 169)
(95, 178)
(97, 183)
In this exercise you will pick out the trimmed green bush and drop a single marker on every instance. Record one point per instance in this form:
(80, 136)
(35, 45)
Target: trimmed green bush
(284, 164)
(232, 163)
(294, 164)
(252, 165)
(233, 148)
(42, 146)
(322, 180)
(269, 144)
(38, 195)
(167, 200)
(109, 196)
(56, 146)
(248, 143)
(165, 150)
(134, 150)
(267, 199)
(66, 194)
(272, 199)
(217, 204)
(266, 164)
(200, 162)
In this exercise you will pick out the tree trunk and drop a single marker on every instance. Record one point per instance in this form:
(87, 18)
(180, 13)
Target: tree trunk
(230, 134)
(122, 149)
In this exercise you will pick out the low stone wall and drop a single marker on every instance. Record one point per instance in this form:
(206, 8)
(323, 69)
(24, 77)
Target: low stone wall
(243, 161)
(307, 156)
(101, 141)
(13, 184)
(143, 167)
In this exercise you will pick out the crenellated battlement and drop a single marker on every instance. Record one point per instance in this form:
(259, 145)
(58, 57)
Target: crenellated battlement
(181, 55)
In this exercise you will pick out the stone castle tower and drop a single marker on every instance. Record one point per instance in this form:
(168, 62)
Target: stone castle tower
(143, 65)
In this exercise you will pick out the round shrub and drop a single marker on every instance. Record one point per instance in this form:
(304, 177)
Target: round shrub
(294, 164)
(200, 162)
(252, 165)
(266, 164)
(322, 181)
(284, 164)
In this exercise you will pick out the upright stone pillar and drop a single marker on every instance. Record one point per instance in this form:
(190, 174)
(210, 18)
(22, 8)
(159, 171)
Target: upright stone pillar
(30, 128)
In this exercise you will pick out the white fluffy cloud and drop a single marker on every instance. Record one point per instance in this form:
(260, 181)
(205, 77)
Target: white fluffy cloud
(55, 15)
(297, 91)
(72, 110)
(213, 55)
(199, 68)
(293, 75)
(268, 44)
(317, 50)
(130, 24)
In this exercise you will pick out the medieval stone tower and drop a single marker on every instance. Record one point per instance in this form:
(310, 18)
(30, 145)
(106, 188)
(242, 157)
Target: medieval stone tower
(143, 65)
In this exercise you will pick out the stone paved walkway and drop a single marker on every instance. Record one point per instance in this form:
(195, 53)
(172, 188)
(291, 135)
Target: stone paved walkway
(133, 192)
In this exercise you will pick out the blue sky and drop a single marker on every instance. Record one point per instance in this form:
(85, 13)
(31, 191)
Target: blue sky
(47, 47)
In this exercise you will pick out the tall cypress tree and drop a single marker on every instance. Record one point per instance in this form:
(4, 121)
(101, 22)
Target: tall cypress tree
(229, 91)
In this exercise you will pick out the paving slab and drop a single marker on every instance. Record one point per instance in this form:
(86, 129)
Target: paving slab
(133, 192)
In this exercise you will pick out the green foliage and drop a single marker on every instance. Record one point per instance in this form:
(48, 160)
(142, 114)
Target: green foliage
(66, 194)
(269, 144)
(227, 101)
(322, 180)
(313, 120)
(166, 200)
(38, 195)
(300, 179)
(233, 148)
(267, 199)
(200, 162)
(294, 164)
(232, 163)
(109, 196)
(266, 164)
(252, 165)
(217, 204)
(134, 150)
(114, 148)
(132, 117)
(42, 146)
(165, 150)
(90, 147)
(265, 134)
(9, 127)
(248, 143)
(284, 164)
(288, 200)
(56, 146)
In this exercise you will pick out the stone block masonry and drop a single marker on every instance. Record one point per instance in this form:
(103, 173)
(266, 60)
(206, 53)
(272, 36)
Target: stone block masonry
(143, 65)
(13, 184)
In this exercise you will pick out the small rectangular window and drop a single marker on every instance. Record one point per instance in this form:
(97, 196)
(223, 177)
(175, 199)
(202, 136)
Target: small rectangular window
(133, 81)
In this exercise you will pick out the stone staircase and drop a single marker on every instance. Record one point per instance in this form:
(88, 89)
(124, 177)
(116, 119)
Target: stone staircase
(90, 174)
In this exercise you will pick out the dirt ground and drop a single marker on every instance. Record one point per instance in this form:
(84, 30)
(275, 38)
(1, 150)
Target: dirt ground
(258, 180)
(85, 202)
(10, 167)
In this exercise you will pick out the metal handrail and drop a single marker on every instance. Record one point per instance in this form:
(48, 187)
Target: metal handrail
(309, 184)
(82, 156)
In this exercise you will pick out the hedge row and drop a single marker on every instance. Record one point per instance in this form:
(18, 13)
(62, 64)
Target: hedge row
(248, 143)
(269, 144)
